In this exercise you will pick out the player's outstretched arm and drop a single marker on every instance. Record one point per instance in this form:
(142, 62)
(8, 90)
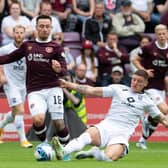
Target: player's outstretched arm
(84, 89)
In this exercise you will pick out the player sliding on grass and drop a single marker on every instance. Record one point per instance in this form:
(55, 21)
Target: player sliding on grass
(114, 131)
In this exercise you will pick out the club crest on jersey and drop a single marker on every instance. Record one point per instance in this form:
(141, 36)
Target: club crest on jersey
(139, 97)
(49, 49)
(155, 54)
(107, 54)
(30, 48)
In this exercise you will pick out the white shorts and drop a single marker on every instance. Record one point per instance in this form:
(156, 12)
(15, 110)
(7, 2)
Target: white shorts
(50, 100)
(158, 96)
(111, 134)
(15, 95)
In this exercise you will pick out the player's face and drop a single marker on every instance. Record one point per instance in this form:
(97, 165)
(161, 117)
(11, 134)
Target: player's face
(43, 29)
(19, 35)
(161, 35)
(138, 83)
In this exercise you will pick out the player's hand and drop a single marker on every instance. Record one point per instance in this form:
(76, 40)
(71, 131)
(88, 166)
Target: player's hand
(3, 80)
(56, 66)
(63, 83)
(150, 73)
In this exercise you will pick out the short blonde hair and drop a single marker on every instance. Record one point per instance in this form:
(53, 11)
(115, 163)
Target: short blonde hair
(160, 27)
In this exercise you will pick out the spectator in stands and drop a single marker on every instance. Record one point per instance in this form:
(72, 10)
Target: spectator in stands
(30, 8)
(128, 25)
(112, 6)
(144, 9)
(75, 100)
(59, 38)
(80, 75)
(4, 9)
(117, 76)
(164, 18)
(88, 58)
(82, 10)
(98, 26)
(155, 63)
(110, 55)
(11, 21)
(63, 10)
(46, 9)
(160, 7)
(144, 40)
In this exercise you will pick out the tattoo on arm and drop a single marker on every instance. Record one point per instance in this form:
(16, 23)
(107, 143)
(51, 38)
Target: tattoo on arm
(81, 88)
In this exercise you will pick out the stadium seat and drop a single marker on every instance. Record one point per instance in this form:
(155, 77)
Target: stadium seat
(151, 35)
(72, 40)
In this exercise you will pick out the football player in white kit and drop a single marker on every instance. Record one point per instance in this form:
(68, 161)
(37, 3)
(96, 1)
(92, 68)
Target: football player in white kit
(113, 133)
(12, 76)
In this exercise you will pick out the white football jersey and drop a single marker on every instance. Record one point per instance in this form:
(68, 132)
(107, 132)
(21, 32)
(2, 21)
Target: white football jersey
(127, 107)
(15, 72)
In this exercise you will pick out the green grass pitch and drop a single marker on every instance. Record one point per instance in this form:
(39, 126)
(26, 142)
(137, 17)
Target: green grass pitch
(13, 156)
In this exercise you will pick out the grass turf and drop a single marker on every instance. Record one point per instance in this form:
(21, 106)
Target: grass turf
(13, 156)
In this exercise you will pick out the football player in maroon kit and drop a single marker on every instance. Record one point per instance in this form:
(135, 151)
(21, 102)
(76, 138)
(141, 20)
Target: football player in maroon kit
(42, 82)
(155, 63)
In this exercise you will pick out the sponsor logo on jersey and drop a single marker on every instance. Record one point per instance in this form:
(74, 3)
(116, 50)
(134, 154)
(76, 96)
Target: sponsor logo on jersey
(107, 54)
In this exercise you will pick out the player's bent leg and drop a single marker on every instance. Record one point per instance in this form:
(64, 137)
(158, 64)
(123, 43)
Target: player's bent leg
(115, 152)
(39, 126)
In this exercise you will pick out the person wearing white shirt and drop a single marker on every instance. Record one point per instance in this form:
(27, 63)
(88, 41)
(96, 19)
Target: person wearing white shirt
(114, 132)
(9, 22)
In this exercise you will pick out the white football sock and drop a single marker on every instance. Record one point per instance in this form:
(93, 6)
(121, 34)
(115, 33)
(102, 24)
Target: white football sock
(77, 143)
(19, 124)
(142, 139)
(8, 118)
(100, 155)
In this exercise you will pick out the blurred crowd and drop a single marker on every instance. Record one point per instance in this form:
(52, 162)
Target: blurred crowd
(110, 32)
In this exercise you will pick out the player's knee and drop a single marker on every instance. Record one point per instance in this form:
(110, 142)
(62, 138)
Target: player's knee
(38, 120)
(59, 124)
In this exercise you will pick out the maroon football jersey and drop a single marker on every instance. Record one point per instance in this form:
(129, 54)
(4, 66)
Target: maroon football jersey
(108, 58)
(40, 74)
(157, 59)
